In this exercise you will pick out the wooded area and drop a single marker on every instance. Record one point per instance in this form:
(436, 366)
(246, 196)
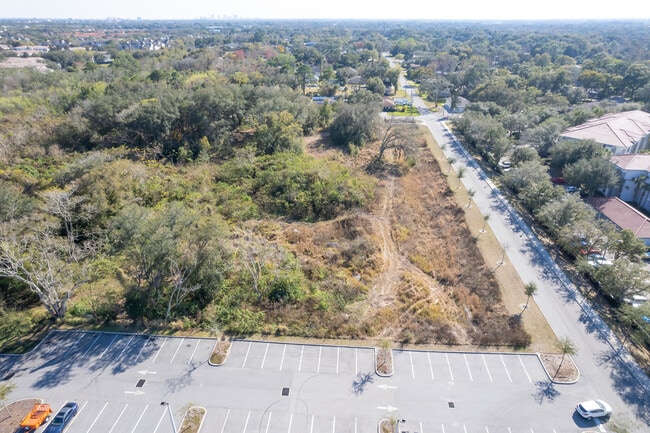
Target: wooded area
(157, 173)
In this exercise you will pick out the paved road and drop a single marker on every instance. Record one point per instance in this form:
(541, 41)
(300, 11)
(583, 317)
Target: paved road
(120, 380)
(606, 369)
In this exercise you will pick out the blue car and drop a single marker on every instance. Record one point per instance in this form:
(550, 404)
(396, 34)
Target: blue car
(62, 418)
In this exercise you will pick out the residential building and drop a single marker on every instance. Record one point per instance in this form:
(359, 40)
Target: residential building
(622, 215)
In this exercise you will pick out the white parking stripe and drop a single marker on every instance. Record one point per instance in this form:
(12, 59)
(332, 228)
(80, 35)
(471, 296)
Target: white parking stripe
(356, 362)
(284, 350)
(176, 352)
(159, 349)
(468, 369)
(334, 425)
(246, 423)
(505, 368)
(464, 428)
(320, 352)
(443, 428)
(268, 423)
(193, 353)
(487, 430)
(141, 349)
(338, 358)
(302, 352)
(247, 352)
(96, 418)
(311, 428)
(126, 346)
(139, 419)
(412, 367)
(524, 367)
(91, 346)
(108, 347)
(451, 373)
(486, 367)
(430, 367)
(290, 421)
(264, 358)
(223, 428)
(118, 419)
(78, 412)
(421, 429)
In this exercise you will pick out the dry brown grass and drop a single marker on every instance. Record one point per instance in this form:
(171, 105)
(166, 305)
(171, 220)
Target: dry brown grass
(11, 416)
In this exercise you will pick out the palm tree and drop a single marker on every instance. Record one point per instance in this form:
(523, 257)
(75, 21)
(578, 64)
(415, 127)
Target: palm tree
(460, 174)
(451, 160)
(529, 289)
(566, 347)
(471, 193)
(486, 217)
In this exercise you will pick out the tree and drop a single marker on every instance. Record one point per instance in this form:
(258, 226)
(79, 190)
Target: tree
(355, 123)
(470, 194)
(278, 132)
(398, 136)
(623, 279)
(304, 74)
(592, 174)
(530, 290)
(486, 218)
(6, 388)
(451, 160)
(566, 347)
(623, 243)
(460, 174)
(376, 85)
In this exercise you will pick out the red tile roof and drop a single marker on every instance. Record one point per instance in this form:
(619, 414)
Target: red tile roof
(620, 130)
(622, 214)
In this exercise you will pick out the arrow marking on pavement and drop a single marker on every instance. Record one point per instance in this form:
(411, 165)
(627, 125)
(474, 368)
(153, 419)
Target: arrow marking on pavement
(388, 408)
(145, 372)
(386, 387)
(134, 392)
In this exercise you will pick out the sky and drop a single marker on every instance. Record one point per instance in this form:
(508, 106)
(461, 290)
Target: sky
(330, 9)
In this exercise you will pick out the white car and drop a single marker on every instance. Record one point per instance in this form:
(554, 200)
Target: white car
(593, 409)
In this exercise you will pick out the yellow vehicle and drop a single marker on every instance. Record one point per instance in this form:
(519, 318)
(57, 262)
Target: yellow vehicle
(39, 414)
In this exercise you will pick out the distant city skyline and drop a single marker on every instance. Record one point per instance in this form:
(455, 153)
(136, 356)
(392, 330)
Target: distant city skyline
(332, 9)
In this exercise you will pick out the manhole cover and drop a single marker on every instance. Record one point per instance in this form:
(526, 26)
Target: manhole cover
(451, 405)
(140, 383)
(285, 391)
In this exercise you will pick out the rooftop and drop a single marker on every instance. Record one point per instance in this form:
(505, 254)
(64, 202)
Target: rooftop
(620, 130)
(622, 214)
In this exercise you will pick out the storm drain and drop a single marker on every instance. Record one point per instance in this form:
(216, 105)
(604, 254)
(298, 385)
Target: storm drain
(451, 405)
(140, 383)
(285, 391)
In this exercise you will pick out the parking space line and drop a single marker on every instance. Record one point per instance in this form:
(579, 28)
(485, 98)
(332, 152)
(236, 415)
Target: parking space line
(487, 430)
(78, 412)
(108, 346)
(223, 427)
(338, 358)
(443, 428)
(268, 423)
(290, 421)
(96, 418)
(355, 425)
(320, 352)
(486, 367)
(264, 358)
(71, 347)
(451, 373)
(524, 367)
(302, 351)
(510, 431)
(193, 352)
(412, 367)
(126, 346)
(311, 427)
(246, 356)
(162, 415)
(248, 417)
(464, 428)
(356, 361)
(139, 419)
(118, 418)
(421, 429)
(141, 349)
(91, 346)
(334, 425)
(177, 349)
(284, 350)
(468, 369)
(159, 349)
(430, 366)
(505, 368)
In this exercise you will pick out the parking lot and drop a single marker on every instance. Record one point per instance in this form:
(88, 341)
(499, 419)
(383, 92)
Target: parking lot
(121, 380)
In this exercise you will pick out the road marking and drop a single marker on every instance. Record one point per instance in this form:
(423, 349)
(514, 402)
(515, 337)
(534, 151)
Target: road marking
(524, 367)
(338, 357)
(246, 423)
(386, 387)
(78, 412)
(486, 367)
(505, 368)
(600, 425)
(443, 428)
(145, 372)
(421, 429)
(264, 357)
(302, 352)
(449, 366)
(138, 392)
(320, 351)
(141, 349)
(387, 408)
(464, 428)
(118, 419)
(126, 346)
(311, 427)
(355, 424)
(223, 427)
(108, 347)
(71, 347)
(356, 362)
(139, 419)
(250, 343)
(334, 425)
(159, 349)
(487, 430)
(193, 353)
(290, 421)
(412, 368)
(282, 360)
(430, 367)
(531, 430)
(96, 418)
(176, 352)
(510, 431)
(468, 370)
(268, 423)
(90, 347)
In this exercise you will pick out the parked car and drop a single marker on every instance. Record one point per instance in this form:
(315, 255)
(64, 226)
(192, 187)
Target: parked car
(597, 260)
(62, 418)
(571, 188)
(558, 180)
(593, 409)
(505, 165)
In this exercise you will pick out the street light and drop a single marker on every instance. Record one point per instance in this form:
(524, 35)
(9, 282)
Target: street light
(164, 403)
